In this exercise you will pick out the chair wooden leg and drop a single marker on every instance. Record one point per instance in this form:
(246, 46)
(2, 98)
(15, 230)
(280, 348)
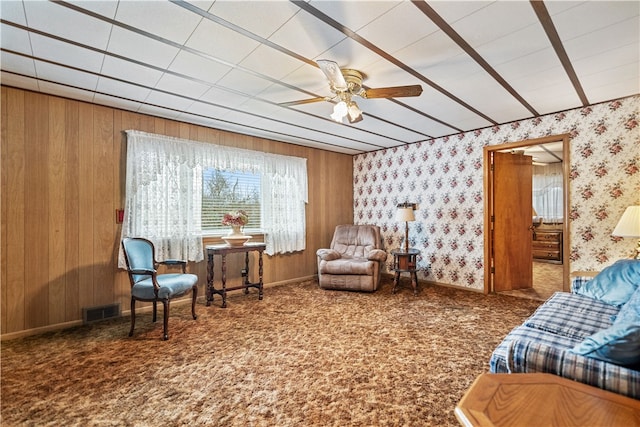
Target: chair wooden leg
(193, 302)
(155, 311)
(133, 315)
(165, 303)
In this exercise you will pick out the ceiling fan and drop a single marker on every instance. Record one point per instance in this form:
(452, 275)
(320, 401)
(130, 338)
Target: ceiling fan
(346, 83)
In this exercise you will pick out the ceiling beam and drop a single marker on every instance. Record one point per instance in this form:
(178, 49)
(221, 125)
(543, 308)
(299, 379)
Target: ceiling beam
(366, 43)
(547, 23)
(457, 38)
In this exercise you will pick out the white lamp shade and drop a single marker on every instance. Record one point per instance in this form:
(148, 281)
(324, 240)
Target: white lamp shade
(629, 224)
(405, 214)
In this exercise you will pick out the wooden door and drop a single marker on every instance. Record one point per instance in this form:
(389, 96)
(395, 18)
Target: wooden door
(512, 221)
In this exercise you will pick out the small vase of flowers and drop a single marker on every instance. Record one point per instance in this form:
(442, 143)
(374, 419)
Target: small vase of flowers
(236, 220)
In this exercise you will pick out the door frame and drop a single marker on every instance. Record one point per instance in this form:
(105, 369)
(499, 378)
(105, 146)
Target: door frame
(488, 203)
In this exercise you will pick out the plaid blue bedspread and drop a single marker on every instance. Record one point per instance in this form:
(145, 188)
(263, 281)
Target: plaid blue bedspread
(542, 342)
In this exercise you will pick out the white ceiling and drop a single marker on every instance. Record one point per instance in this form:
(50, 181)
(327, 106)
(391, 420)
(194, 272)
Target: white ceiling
(229, 64)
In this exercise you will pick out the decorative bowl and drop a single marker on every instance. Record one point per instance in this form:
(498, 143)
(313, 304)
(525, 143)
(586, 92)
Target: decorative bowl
(236, 240)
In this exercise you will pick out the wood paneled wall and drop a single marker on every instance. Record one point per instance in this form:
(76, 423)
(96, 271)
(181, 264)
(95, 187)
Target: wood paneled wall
(63, 177)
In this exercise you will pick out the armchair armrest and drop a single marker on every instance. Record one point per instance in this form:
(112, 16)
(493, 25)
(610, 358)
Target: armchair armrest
(377, 255)
(143, 271)
(328, 254)
(175, 262)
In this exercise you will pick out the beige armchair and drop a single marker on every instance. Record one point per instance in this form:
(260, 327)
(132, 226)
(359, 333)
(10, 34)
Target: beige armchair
(354, 261)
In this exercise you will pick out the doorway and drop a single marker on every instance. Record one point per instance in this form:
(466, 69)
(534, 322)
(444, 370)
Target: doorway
(491, 215)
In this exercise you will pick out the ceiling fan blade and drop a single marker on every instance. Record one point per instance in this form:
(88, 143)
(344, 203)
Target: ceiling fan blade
(302, 101)
(394, 92)
(331, 69)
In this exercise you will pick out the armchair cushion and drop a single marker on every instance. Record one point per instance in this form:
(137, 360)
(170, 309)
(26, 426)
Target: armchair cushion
(348, 266)
(377, 255)
(328, 254)
(170, 285)
(354, 260)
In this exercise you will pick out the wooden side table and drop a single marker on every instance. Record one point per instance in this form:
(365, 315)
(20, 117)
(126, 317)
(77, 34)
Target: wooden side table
(223, 250)
(542, 400)
(405, 262)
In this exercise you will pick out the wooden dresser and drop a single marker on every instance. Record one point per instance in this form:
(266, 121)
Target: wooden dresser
(547, 245)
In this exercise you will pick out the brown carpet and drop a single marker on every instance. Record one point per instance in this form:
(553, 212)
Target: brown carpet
(302, 356)
(547, 279)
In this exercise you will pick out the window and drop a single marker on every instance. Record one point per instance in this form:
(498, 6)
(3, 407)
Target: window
(224, 192)
(177, 190)
(548, 201)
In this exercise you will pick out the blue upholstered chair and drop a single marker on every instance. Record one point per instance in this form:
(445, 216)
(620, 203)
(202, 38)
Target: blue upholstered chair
(148, 285)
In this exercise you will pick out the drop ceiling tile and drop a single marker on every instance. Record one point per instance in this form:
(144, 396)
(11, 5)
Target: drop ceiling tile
(66, 76)
(270, 62)
(9, 79)
(244, 82)
(612, 83)
(168, 101)
(428, 53)
(251, 14)
(207, 110)
(65, 91)
(563, 97)
(15, 39)
(530, 67)
(591, 16)
(116, 102)
(350, 54)
(13, 11)
(623, 34)
(17, 64)
(220, 96)
(181, 86)
(163, 19)
(61, 21)
(556, 7)
(121, 89)
(130, 71)
(141, 48)
(495, 21)
(104, 8)
(385, 74)
(452, 11)
(204, 69)
(309, 78)
(158, 110)
(66, 54)
(311, 36)
(220, 42)
(440, 106)
(421, 125)
(279, 94)
(398, 28)
(608, 60)
(354, 14)
(524, 42)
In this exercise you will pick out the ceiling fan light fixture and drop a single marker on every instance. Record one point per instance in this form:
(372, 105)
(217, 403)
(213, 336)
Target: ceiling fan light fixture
(354, 113)
(339, 111)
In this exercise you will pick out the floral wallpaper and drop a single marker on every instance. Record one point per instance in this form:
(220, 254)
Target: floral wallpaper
(445, 177)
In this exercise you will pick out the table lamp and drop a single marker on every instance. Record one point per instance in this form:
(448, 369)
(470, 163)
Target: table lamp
(405, 213)
(629, 226)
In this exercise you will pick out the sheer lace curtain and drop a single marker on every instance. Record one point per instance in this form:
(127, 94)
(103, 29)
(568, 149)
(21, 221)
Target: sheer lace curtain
(284, 196)
(547, 192)
(163, 198)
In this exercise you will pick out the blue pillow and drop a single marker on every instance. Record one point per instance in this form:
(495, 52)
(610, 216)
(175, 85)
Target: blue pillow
(630, 311)
(615, 284)
(619, 344)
